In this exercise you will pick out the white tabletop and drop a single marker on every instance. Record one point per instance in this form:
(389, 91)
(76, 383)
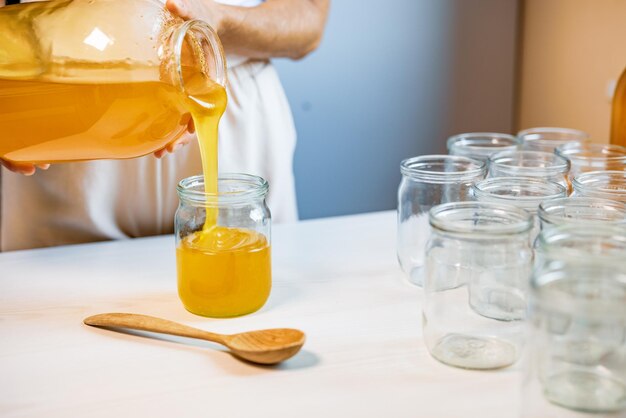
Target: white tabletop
(337, 279)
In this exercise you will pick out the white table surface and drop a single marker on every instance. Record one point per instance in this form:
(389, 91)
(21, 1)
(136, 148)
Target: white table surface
(337, 279)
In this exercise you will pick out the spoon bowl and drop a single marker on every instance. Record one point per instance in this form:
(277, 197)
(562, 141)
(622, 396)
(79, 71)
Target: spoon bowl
(268, 346)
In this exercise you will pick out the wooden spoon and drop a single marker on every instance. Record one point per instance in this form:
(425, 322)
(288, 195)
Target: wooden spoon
(268, 346)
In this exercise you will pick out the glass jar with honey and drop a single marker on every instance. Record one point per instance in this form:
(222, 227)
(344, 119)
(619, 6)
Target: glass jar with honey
(223, 252)
(100, 79)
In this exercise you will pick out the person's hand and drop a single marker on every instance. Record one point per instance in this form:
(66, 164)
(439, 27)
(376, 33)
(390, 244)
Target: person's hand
(206, 10)
(23, 168)
(177, 144)
(182, 140)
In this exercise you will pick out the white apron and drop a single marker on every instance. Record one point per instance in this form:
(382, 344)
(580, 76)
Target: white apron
(101, 200)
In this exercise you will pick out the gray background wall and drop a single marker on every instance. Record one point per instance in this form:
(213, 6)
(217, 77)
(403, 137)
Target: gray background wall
(392, 80)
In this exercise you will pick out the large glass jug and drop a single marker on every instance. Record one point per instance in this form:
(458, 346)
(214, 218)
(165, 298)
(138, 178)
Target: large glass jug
(94, 79)
(618, 112)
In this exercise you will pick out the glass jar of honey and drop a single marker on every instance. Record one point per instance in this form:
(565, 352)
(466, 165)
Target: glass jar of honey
(223, 255)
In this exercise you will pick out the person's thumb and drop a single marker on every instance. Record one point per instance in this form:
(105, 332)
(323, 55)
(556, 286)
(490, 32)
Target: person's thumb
(178, 7)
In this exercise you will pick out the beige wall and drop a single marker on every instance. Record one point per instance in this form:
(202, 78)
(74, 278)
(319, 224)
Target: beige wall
(570, 51)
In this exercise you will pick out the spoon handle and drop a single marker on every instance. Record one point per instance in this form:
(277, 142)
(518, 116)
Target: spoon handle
(153, 324)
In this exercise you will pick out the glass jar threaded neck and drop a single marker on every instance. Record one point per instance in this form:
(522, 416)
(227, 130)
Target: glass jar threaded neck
(443, 168)
(233, 188)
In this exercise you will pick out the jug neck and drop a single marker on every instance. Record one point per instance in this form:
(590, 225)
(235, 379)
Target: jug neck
(194, 44)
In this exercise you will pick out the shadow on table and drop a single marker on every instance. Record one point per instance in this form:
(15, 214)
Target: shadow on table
(303, 360)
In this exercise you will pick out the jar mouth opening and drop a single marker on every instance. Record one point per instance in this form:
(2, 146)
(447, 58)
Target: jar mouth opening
(551, 136)
(605, 182)
(592, 152)
(232, 188)
(488, 219)
(583, 244)
(588, 290)
(581, 210)
(482, 143)
(527, 191)
(202, 41)
(442, 168)
(533, 162)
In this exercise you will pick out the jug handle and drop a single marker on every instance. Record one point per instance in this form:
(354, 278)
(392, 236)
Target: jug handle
(206, 32)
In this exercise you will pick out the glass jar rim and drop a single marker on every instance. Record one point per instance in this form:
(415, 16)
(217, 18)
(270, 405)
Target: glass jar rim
(552, 135)
(503, 160)
(420, 168)
(482, 141)
(580, 243)
(247, 187)
(200, 30)
(596, 182)
(453, 217)
(589, 290)
(553, 211)
(592, 152)
(545, 190)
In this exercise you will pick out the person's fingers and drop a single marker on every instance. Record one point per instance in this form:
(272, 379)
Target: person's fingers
(187, 120)
(160, 153)
(173, 146)
(178, 7)
(25, 169)
(43, 166)
(178, 144)
(22, 168)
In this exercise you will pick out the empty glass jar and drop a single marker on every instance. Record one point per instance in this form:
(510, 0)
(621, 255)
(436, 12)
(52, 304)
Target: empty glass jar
(581, 211)
(544, 165)
(603, 184)
(478, 265)
(480, 145)
(593, 157)
(223, 255)
(523, 192)
(426, 182)
(548, 139)
(576, 357)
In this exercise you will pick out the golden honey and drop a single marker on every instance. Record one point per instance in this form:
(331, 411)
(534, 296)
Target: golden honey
(223, 272)
(43, 121)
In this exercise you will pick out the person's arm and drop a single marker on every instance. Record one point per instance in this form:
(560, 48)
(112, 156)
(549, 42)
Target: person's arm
(275, 28)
